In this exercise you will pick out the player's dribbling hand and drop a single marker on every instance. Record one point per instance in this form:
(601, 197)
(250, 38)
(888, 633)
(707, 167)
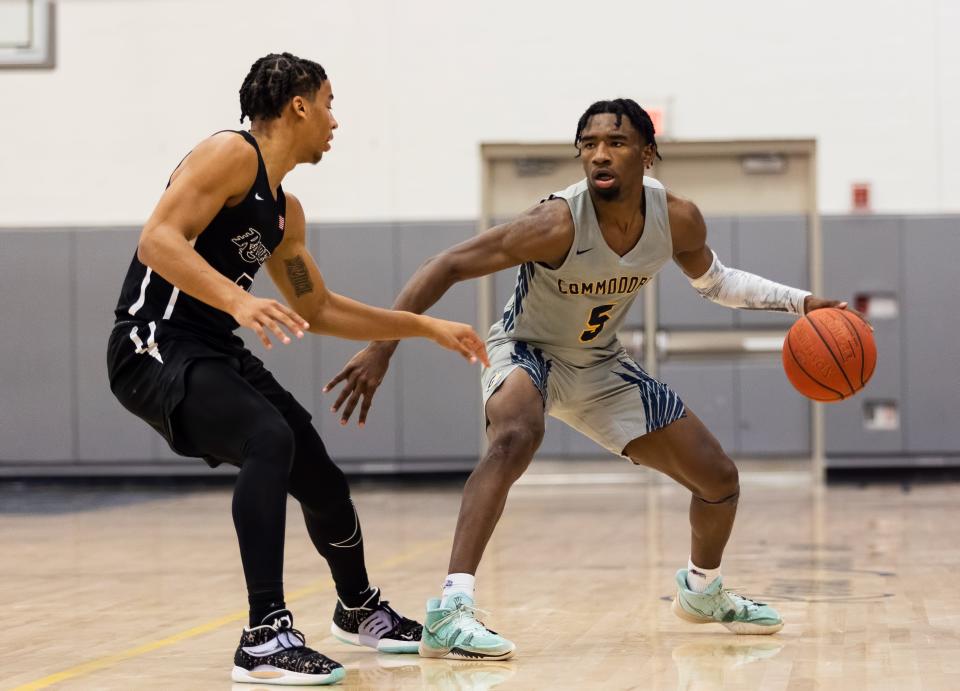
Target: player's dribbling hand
(460, 338)
(263, 315)
(811, 303)
(363, 375)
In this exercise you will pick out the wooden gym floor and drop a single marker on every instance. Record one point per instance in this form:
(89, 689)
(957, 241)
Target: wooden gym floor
(141, 588)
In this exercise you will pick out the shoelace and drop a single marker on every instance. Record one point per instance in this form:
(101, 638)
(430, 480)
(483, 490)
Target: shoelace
(290, 638)
(287, 639)
(461, 613)
(746, 602)
(399, 621)
(739, 602)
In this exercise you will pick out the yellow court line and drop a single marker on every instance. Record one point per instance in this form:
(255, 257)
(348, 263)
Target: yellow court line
(212, 625)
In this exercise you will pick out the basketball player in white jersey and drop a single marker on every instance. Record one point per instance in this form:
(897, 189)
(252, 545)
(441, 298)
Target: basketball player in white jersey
(583, 256)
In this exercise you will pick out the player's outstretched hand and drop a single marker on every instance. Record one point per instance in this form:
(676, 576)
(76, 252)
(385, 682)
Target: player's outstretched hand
(363, 375)
(811, 303)
(366, 370)
(263, 315)
(461, 338)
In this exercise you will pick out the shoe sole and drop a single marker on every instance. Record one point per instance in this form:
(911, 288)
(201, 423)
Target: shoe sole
(384, 645)
(460, 654)
(271, 675)
(738, 627)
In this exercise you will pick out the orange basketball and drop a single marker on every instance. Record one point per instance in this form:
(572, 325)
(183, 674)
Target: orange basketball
(829, 354)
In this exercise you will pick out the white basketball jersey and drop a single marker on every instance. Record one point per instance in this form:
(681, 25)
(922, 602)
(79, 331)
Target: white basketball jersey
(575, 310)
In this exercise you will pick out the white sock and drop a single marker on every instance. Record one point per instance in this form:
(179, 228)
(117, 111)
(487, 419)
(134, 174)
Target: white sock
(699, 579)
(458, 583)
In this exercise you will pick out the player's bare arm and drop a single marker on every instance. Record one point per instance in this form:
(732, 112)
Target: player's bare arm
(544, 233)
(295, 273)
(218, 173)
(729, 287)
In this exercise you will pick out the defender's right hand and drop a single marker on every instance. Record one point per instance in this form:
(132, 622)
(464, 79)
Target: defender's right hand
(263, 315)
(460, 338)
(363, 375)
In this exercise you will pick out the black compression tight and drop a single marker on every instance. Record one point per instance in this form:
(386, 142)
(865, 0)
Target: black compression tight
(222, 415)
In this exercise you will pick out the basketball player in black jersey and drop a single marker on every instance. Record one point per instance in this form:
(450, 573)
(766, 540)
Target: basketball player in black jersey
(175, 362)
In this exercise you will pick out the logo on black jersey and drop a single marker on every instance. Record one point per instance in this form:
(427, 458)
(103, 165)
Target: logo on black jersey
(252, 250)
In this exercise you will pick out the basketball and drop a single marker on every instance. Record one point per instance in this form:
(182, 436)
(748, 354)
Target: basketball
(829, 354)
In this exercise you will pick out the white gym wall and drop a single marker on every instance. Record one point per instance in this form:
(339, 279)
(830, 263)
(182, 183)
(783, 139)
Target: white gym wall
(420, 83)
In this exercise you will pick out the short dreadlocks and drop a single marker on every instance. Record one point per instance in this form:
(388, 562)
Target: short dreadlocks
(273, 80)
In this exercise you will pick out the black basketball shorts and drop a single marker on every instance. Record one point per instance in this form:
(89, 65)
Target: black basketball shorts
(147, 364)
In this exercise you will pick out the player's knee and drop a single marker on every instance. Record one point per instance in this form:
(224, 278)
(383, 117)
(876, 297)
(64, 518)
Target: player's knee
(271, 441)
(327, 508)
(321, 494)
(520, 439)
(515, 444)
(723, 483)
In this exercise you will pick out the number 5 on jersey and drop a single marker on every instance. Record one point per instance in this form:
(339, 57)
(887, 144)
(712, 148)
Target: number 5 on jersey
(598, 317)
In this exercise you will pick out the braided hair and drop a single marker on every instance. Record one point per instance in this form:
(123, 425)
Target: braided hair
(639, 118)
(273, 80)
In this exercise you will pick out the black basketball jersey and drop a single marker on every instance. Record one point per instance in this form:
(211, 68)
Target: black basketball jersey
(238, 240)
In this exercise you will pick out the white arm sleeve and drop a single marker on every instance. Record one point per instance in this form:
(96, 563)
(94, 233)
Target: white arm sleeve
(735, 288)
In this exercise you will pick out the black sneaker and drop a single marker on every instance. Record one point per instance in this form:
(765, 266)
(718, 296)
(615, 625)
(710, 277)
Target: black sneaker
(276, 653)
(376, 625)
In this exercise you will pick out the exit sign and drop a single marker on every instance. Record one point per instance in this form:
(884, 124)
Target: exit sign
(860, 196)
(656, 116)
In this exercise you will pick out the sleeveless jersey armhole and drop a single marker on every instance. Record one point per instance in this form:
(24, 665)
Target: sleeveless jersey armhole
(573, 243)
(261, 167)
(240, 132)
(663, 212)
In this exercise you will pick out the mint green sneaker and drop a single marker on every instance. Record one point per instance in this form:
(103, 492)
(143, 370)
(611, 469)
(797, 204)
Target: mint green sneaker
(451, 630)
(716, 605)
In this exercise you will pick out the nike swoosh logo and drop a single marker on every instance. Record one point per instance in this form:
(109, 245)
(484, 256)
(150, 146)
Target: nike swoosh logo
(256, 195)
(584, 251)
